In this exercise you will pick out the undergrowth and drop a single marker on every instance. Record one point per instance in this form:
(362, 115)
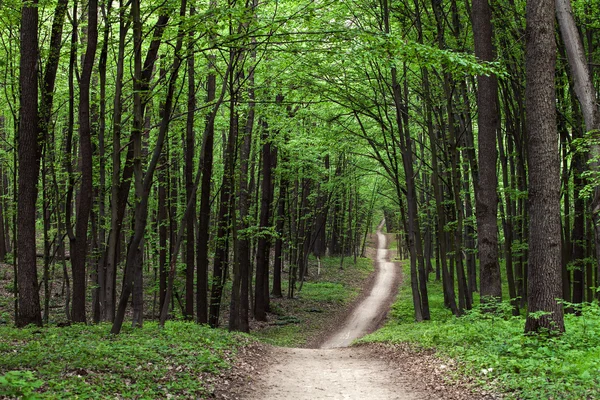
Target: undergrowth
(494, 351)
(87, 362)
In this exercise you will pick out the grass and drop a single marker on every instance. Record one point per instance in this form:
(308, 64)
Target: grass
(87, 362)
(299, 321)
(493, 349)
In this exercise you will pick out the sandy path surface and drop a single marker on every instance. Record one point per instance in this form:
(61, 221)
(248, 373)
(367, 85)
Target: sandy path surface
(367, 315)
(350, 373)
(336, 371)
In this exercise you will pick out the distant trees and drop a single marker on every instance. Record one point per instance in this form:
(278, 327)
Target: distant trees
(190, 145)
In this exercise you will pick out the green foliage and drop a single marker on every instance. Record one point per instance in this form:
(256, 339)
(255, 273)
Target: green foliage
(492, 348)
(21, 384)
(87, 362)
(325, 291)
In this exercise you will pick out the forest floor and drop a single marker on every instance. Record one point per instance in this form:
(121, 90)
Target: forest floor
(335, 371)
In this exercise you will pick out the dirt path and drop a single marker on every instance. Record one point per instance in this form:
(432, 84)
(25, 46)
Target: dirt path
(368, 314)
(342, 373)
(336, 371)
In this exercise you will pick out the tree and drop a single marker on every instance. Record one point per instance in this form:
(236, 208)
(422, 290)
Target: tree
(587, 96)
(29, 165)
(79, 243)
(486, 187)
(544, 310)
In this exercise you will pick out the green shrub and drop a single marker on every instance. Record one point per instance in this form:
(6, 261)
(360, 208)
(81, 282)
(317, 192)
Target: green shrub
(21, 384)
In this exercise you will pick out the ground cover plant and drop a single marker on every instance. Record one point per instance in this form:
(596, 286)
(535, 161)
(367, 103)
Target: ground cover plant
(493, 350)
(87, 362)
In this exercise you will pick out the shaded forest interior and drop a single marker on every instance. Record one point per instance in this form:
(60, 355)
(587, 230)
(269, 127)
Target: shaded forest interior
(187, 159)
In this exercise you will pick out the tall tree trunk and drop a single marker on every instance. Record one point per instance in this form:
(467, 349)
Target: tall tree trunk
(79, 244)
(110, 266)
(544, 182)
(239, 308)
(419, 291)
(486, 187)
(205, 190)
(220, 261)
(279, 226)
(29, 311)
(586, 94)
(144, 184)
(261, 289)
(189, 181)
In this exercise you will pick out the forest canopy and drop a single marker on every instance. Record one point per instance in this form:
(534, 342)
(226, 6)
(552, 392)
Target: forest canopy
(187, 158)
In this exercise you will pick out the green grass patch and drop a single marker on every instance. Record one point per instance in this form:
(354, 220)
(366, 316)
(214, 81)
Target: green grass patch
(493, 349)
(87, 362)
(299, 321)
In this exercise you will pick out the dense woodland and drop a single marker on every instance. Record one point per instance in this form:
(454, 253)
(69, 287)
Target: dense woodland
(187, 158)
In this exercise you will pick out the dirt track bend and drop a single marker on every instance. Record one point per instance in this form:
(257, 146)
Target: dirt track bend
(336, 371)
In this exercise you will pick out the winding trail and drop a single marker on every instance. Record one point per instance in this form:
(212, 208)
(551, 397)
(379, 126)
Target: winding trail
(371, 311)
(336, 371)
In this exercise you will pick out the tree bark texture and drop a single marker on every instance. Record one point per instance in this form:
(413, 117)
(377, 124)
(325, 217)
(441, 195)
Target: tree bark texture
(29, 311)
(486, 187)
(544, 261)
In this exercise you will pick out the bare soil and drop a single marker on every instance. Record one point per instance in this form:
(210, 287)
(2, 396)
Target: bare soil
(336, 371)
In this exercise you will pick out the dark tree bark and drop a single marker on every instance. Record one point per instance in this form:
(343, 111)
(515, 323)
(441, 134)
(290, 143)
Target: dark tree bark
(239, 307)
(79, 244)
(121, 186)
(322, 209)
(29, 311)
(162, 235)
(279, 226)
(144, 183)
(99, 291)
(189, 183)
(544, 182)
(45, 115)
(220, 261)
(205, 191)
(110, 259)
(486, 187)
(418, 284)
(261, 289)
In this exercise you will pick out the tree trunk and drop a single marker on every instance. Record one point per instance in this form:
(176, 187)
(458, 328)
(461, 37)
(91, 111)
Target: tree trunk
(79, 244)
(221, 259)
(189, 182)
(486, 187)
(544, 260)
(261, 289)
(205, 190)
(586, 94)
(29, 311)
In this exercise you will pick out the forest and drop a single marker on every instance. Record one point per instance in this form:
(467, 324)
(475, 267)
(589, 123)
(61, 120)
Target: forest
(185, 160)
